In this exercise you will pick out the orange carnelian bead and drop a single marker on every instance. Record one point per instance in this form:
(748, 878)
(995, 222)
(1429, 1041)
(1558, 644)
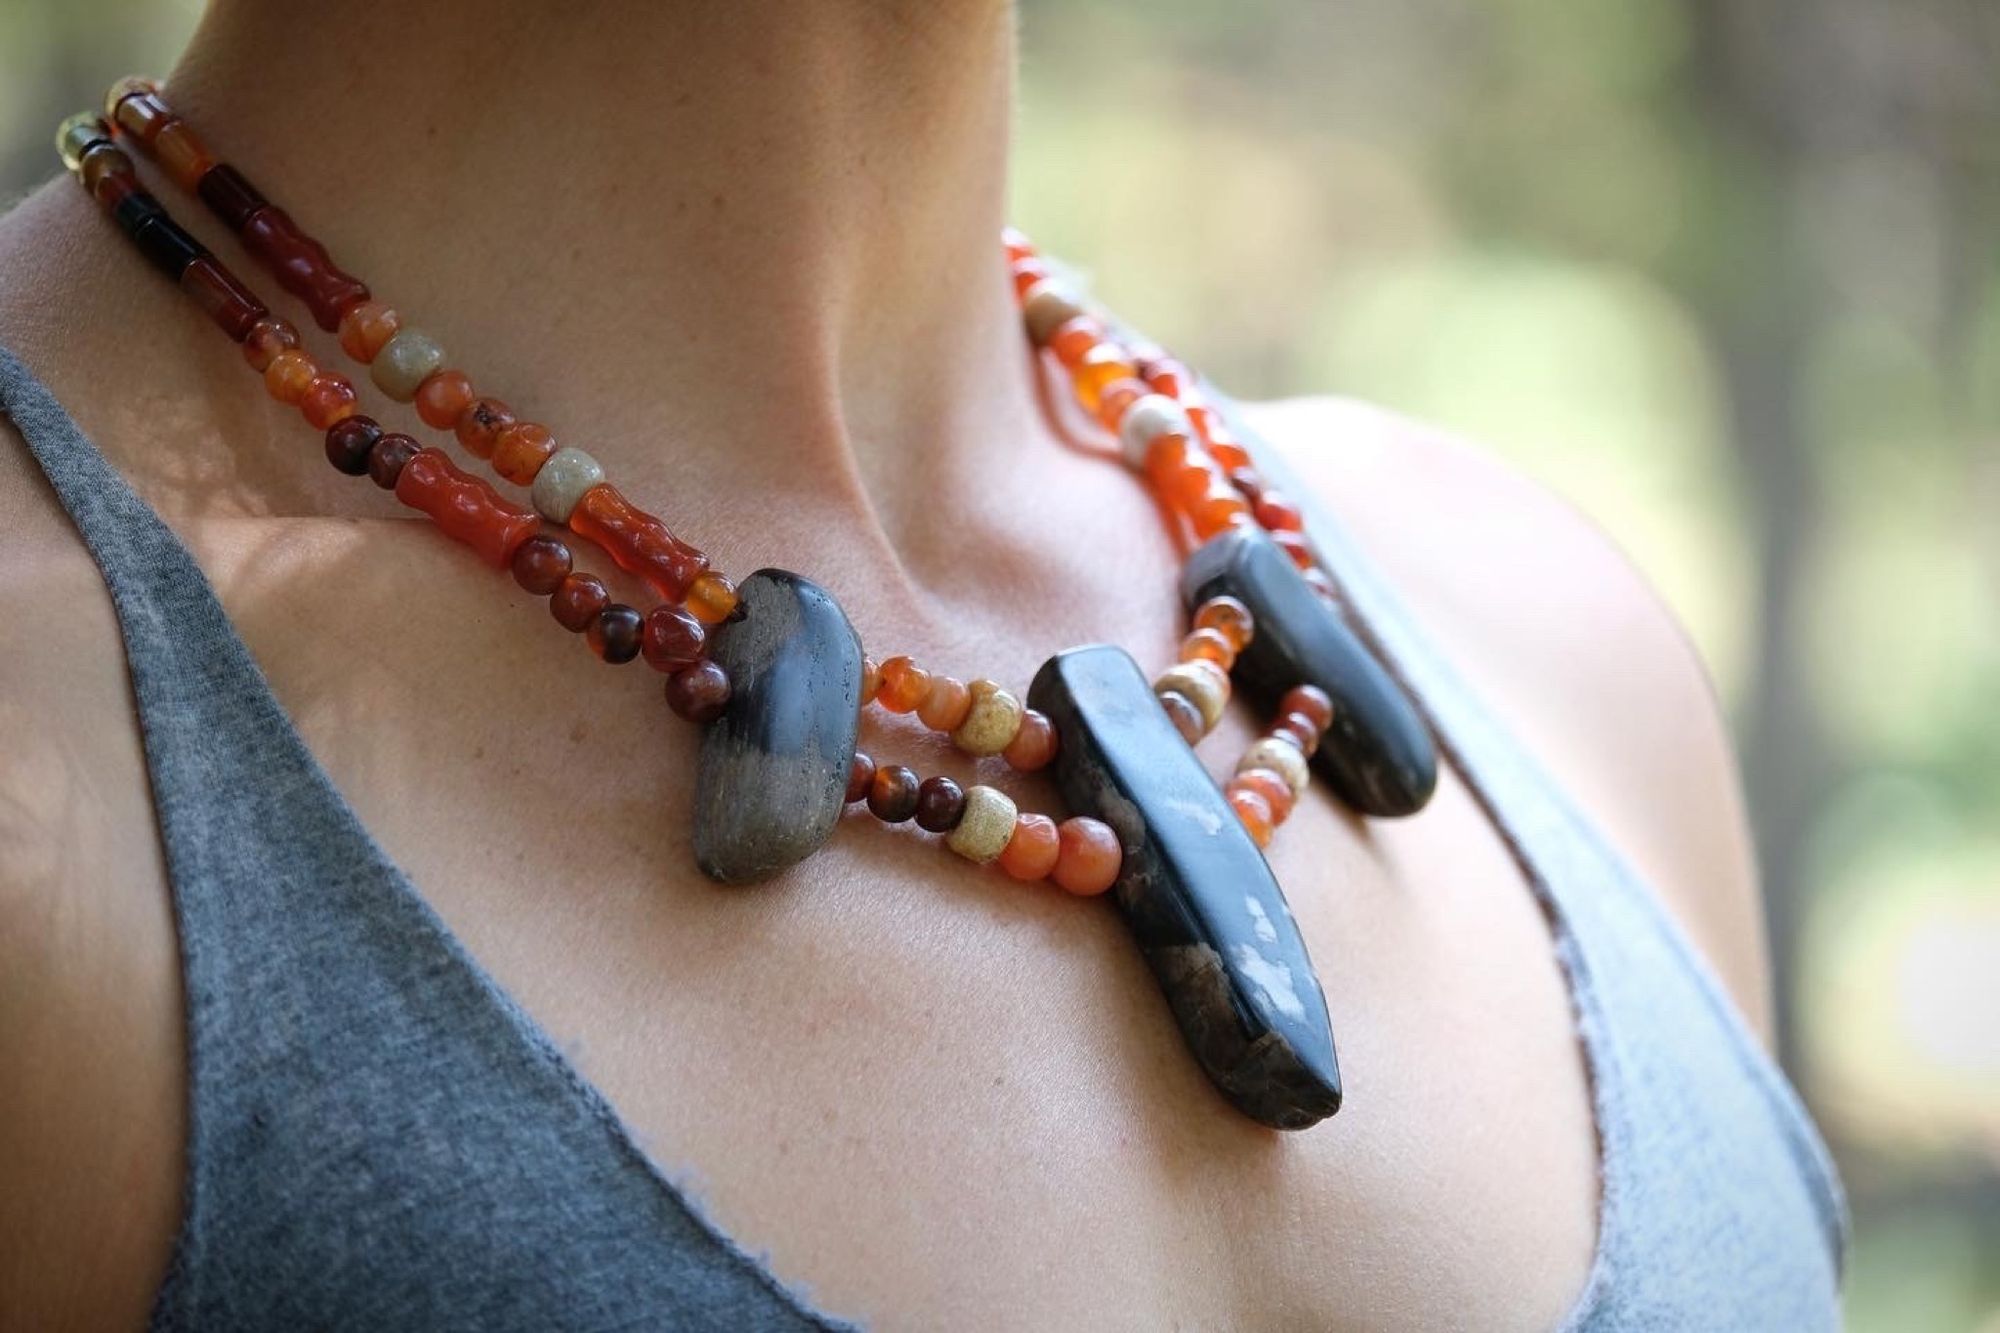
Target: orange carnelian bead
(871, 681)
(520, 450)
(328, 398)
(1294, 545)
(1271, 785)
(1216, 512)
(442, 398)
(1033, 745)
(1228, 617)
(365, 327)
(1255, 814)
(1310, 700)
(289, 374)
(1229, 454)
(1028, 272)
(1276, 512)
(470, 511)
(180, 150)
(1099, 368)
(640, 543)
(945, 704)
(1087, 856)
(1016, 243)
(1117, 396)
(1298, 729)
(480, 424)
(1073, 339)
(1168, 377)
(1032, 849)
(268, 337)
(904, 685)
(1210, 645)
(712, 598)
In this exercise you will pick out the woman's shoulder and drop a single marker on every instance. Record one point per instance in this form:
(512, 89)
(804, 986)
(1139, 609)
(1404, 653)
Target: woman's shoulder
(1555, 628)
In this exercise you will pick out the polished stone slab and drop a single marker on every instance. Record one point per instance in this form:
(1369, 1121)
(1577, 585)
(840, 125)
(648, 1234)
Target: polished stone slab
(1377, 755)
(1202, 903)
(773, 771)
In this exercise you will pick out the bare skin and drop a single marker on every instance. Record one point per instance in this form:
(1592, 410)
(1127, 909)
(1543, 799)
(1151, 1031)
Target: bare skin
(935, 1098)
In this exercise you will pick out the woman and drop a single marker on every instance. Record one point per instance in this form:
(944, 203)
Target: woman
(748, 257)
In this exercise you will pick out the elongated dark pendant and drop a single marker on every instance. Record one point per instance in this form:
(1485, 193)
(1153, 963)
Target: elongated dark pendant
(773, 774)
(1205, 908)
(1376, 754)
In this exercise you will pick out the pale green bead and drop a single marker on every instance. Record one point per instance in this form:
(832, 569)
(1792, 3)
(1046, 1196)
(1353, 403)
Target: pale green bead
(563, 480)
(405, 361)
(77, 133)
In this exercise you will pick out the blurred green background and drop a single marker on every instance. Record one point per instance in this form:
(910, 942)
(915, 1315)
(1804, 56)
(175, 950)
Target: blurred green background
(1725, 272)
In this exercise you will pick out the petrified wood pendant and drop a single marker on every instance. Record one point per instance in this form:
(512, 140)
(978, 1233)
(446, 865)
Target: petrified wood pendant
(773, 773)
(1207, 912)
(1376, 754)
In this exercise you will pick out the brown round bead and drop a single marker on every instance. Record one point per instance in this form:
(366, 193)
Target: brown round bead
(1310, 700)
(700, 692)
(892, 795)
(348, 442)
(940, 804)
(1033, 745)
(614, 633)
(541, 563)
(1181, 711)
(577, 601)
(480, 424)
(1299, 730)
(673, 638)
(386, 459)
(860, 773)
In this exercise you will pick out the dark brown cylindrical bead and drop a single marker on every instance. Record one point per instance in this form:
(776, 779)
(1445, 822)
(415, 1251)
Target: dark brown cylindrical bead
(940, 804)
(301, 265)
(860, 775)
(614, 633)
(577, 601)
(167, 244)
(386, 459)
(229, 196)
(350, 441)
(892, 796)
(674, 638)
(234, 307)
(541, 563)
(700, 692)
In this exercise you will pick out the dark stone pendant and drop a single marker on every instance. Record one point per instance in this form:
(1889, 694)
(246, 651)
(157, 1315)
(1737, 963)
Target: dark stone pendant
(1377, 754)
(1205, 908)
(773, 774)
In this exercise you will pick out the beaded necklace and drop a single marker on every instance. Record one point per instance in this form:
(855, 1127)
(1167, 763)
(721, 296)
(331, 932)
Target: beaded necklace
(775, 674)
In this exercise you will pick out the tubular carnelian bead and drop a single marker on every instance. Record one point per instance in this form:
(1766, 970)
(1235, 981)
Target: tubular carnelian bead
(443, 398)
(301, 265)
(180, 150)
(638, 542)
(466, 507)
(234, 307)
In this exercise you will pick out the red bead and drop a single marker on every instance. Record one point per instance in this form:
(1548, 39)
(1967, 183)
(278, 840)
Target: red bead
(638, 542)
(302, 266)
(1116, 397)
(1088, 856)
(1031, 852)
(1028, 272)
(365, 327)
(327, 399)
(520, 450)
(1299, 730)
(266, 338)
(467, 508)
(940, 804)
(1073, 339)
(860, 774)
(1294, 545)
(905, 685)
(1033, 745)
(577, 600)
(387, 459)
(480, 425)
(443, 397)
(349, 443)
(234, 307)
(541, 563)
(614, 633)
(1310, 700)
(1249, 482)
(1277, 513)
(699, 692)
(1270, 785)
(674, 639)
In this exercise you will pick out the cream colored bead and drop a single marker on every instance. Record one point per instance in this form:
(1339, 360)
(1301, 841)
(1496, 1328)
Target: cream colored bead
(985, 827)
(1045, 308)
(405, 361)
(1281, 757)
(991, 723)
(1145, 421)
(1204, 684)
(564, 478)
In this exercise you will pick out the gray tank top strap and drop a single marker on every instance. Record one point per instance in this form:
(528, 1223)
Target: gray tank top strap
(379, 1137)
(1721, 1204)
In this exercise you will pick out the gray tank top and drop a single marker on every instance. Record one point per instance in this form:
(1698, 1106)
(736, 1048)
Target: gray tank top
(379, 1137)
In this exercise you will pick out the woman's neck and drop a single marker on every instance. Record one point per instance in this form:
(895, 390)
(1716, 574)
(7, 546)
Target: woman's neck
(780, 218)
